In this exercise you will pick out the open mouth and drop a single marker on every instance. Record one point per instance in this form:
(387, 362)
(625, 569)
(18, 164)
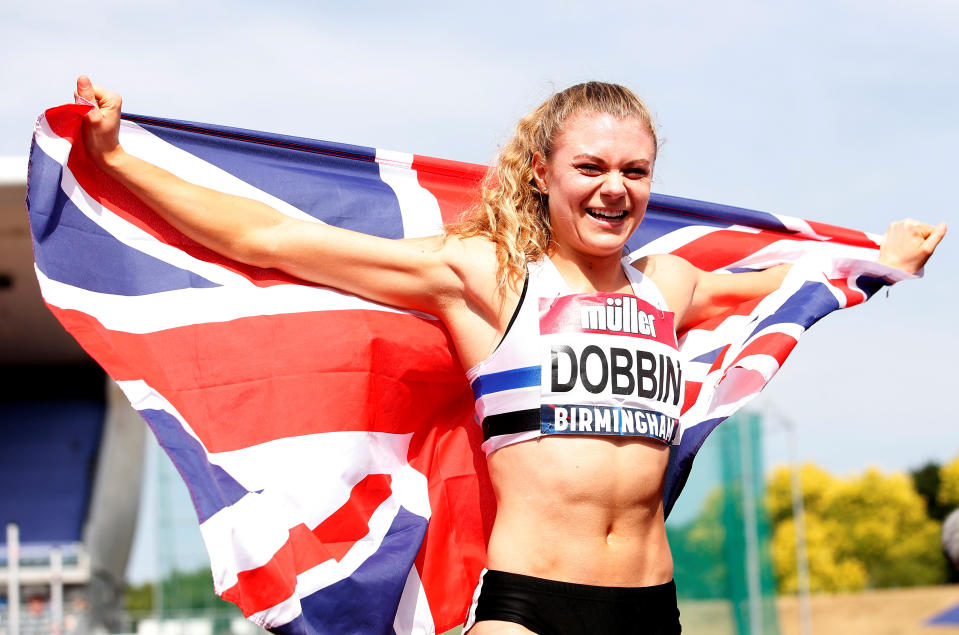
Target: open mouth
(607, 214)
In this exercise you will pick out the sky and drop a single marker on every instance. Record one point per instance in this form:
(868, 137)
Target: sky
(842, 112)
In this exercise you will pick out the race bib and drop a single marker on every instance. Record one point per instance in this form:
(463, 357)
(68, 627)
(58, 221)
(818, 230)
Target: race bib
(610, 366)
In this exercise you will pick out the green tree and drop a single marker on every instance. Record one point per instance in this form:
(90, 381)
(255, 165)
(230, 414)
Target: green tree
(866, 531)
(829, 569)
(927, 480)
(697, 547)
(889, 530)
(189, 590)
(818, 486)
(139, 599)
(949, 485)
(947, 499)
(182, 592)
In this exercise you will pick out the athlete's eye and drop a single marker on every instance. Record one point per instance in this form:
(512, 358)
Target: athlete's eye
(635, 173)
(589, 169)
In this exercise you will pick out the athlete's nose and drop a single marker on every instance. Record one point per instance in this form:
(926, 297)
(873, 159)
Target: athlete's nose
(614, 186)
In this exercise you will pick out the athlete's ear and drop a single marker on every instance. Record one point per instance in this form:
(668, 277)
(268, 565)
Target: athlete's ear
(539, 172)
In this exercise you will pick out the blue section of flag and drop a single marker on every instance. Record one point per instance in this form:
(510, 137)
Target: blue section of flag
(75, 249)
(713, 213)
(211, 488)
(870, 285)
(366, 601)
(807, 306)
(666, 214)
(346, 189)
(655, 225)
(506, 380)
(681, 460)
(710, 357)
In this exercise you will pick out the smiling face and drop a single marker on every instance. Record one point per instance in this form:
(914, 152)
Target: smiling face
(597, 178)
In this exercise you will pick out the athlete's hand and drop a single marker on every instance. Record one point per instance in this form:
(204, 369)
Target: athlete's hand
(908, 244)
(101, 126)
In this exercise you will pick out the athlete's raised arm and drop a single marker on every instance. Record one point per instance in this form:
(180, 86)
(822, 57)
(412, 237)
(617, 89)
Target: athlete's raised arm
(416, 274)
(696, 295)
(908, 244)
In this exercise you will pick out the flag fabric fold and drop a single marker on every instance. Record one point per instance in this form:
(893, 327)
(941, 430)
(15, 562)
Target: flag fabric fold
(328, 442)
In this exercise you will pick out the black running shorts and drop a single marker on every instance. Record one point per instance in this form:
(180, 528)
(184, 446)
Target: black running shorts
(550, 607)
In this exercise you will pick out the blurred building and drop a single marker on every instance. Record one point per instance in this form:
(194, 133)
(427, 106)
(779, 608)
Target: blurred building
(71, 451)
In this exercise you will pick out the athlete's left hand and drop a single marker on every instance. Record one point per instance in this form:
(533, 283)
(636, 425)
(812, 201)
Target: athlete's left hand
(908, 244)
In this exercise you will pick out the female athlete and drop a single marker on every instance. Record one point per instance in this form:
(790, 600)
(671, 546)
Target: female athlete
(579, 542)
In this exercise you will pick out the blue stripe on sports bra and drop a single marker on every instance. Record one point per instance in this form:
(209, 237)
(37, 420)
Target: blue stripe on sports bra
(506, 380)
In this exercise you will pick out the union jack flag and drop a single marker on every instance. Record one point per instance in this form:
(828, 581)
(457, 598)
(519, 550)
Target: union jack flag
(329, 442)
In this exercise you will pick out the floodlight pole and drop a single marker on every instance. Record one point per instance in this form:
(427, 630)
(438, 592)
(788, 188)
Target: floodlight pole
(159, 502)
(13, 578)
(56, 590)
(750, 527)
(799, 524)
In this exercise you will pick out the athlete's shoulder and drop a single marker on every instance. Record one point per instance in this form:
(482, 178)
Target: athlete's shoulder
(666, 267)
(471, 257)
(675, 277)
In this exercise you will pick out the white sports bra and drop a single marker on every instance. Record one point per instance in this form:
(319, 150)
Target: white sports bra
(585, 364)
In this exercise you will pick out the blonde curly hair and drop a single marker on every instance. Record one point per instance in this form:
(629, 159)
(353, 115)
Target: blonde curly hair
(512, 212)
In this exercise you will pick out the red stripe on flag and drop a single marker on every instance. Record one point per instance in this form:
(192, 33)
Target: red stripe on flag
(462, 508)
(736, 385)
(454, 184)
(267, 585)
(710, 324)
(691, 390)
(853, 296)
(94, 338)
(843, 235)
(777, 345)
(301, 372)
(65, 121)
(718, 362)
(721, 248)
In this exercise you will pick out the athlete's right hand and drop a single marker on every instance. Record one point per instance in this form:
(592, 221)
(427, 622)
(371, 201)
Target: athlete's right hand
(101, 126)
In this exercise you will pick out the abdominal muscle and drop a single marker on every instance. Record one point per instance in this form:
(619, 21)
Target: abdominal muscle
(581, 509)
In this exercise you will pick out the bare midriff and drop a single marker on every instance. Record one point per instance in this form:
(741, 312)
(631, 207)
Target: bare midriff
(584, 509)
